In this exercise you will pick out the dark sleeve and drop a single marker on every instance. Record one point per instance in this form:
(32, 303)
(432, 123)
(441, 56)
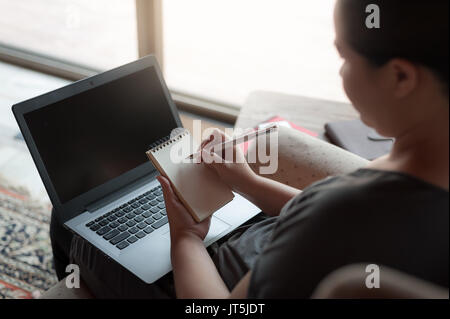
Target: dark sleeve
(367, 217)
(311, 240)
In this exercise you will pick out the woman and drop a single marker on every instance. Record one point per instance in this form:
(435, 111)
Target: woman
(394, 212)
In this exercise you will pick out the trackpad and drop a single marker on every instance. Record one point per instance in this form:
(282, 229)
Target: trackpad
(216, 228)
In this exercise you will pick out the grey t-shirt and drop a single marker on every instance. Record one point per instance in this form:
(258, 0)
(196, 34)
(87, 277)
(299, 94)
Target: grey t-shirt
(368, 216)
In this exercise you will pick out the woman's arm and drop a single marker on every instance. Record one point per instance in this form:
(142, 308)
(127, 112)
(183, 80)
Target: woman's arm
(195, 274)
(267, 194)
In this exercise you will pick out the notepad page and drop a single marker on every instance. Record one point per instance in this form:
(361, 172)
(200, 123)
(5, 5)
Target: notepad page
(197, 186)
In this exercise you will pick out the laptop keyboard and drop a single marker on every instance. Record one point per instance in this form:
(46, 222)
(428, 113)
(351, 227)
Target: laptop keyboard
(133, 220)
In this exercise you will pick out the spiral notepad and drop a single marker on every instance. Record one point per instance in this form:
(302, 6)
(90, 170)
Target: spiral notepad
(197, 186)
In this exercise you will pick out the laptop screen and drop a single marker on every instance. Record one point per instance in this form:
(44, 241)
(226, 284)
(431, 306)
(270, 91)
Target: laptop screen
(92, 137)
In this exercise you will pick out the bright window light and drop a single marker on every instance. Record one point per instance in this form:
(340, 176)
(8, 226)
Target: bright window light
(224, 49)
(100, 34)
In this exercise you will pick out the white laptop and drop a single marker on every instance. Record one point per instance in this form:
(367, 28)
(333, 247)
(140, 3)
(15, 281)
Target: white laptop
(88, 141)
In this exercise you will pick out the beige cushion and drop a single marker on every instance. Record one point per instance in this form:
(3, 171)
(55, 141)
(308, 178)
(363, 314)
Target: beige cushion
(348, 282)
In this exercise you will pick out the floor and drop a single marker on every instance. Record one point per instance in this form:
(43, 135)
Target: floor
(16, 164)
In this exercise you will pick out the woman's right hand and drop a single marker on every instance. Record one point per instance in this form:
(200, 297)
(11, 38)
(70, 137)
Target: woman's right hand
(230, 165)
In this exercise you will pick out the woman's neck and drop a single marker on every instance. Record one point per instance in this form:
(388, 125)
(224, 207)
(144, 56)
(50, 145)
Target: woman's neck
(423, 149)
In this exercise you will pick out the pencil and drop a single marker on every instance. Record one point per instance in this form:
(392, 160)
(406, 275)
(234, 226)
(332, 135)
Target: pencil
(240, 139)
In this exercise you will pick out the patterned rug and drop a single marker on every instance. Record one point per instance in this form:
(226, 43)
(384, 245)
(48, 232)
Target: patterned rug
(26, 264)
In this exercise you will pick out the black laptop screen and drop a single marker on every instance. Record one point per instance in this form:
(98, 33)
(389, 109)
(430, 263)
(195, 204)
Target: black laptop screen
(90, 138)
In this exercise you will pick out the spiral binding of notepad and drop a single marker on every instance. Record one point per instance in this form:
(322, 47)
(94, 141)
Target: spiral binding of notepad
(165, 141)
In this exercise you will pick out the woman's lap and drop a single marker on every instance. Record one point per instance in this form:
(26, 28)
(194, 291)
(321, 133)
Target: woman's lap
(305, 159)
(105, 278)
(108, 279)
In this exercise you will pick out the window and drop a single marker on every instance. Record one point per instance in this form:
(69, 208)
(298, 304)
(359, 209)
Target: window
(224, 49)
(214, 50)
(100, 34)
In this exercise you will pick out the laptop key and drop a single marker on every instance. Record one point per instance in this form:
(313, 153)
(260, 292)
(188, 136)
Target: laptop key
(133, 230)
(131, 223)
(154, 202)
(103, 230)
(150, 197)
(120, 237)
(90, 224)
(120, 214)
(122, 220)
(138, 211)
(135, 205)
(132, 239)
(95, 227)
(148, 230)
(141, 234)
(138, 219)
(128, 209)
(113, 224)
(146, 206)
(147, 214)
(160, 223)
(131, 215)
(122, 227)
(162, 205)
(160, 199)
(142, 225)
(154, 210)
(149, 220)
(104, 222)
(123, 245)
(157, 216)
(163, 212)
(111, 234)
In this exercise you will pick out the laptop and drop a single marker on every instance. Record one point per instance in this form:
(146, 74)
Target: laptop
(88, 141)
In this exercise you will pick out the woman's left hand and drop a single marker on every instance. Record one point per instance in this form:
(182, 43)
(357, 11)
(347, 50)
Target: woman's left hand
(181, 222)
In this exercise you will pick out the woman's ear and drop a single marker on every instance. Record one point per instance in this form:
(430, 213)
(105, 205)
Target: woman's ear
(404, 77)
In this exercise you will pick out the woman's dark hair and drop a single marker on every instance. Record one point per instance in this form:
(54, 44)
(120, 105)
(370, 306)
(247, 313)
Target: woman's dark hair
(414, 30)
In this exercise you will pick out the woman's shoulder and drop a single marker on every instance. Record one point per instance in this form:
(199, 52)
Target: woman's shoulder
(417, 171)
(376, 181)
(397, 180)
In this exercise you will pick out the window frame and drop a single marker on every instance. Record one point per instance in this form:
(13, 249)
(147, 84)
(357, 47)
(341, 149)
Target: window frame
(150, 41)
